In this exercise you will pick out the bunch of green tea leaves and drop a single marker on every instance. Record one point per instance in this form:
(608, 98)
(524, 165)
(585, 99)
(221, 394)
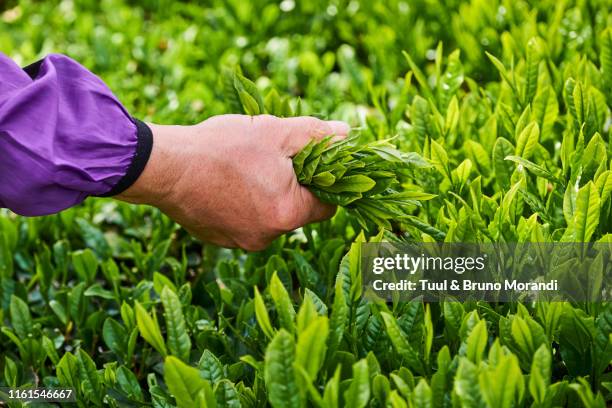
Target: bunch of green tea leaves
(365, 178)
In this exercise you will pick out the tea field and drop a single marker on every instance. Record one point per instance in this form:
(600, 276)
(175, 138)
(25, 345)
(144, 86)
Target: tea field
(499, 110)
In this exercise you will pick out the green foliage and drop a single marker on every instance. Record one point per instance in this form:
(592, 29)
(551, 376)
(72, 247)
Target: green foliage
(492, 126)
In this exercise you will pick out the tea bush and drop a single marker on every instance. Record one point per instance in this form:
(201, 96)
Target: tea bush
(499, 112)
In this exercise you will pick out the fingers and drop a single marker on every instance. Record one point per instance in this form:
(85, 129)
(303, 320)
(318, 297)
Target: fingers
(298, 132)
(314, 209)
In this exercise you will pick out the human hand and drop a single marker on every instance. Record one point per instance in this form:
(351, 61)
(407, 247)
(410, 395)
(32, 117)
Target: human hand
(230, 181)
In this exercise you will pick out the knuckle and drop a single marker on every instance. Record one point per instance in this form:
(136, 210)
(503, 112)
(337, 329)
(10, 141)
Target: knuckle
(266, 125)
(314, 126)
(265, 121)
(286, 215)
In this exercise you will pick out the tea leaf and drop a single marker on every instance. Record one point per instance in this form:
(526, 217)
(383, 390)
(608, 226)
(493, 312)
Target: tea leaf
(339, 316)
(186, 385)
(284, 307)
(279, 372)
(21, 319)
(261, 313)
(358, 393)
(310, 350)
(466, 385)
(586, 215)
(539, 377)
(398, 339)
(527, 141)
(227, 395)
(115, 336)
(422, 395)
(178, 340)
(210, 367)
(149, 329)
(90, 381)
(476, 342)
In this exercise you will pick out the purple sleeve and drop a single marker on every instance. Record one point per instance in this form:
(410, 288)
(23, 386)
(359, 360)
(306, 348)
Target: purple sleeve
(63, 137)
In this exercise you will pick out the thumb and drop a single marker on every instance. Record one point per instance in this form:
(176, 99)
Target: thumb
(299, 131)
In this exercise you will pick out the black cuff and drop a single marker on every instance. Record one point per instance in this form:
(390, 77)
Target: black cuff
(32, 69)
(144, 145)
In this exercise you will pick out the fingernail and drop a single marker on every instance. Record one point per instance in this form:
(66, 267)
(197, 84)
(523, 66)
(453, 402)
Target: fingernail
(338, 127)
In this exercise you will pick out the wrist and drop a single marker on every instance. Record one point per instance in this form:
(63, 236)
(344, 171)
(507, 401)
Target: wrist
(158, 176)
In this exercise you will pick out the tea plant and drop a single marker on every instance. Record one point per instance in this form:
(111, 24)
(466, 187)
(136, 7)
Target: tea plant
(493, 125)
